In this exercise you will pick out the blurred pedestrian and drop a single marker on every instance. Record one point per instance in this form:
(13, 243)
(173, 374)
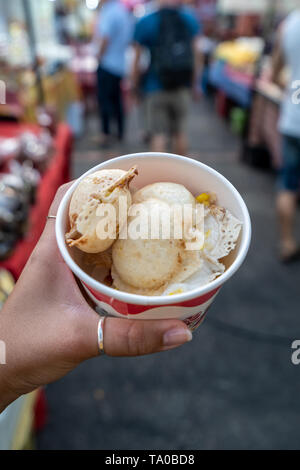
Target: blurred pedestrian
(287, 53)
(113, 35)
(169, 34)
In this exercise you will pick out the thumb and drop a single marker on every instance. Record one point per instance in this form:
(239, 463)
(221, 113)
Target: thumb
(140, 337)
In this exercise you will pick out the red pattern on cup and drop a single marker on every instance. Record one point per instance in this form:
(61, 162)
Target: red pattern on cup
(133, 309)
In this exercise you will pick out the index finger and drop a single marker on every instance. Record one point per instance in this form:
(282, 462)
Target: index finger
(58, 197)
(49, 231)
(140, 337)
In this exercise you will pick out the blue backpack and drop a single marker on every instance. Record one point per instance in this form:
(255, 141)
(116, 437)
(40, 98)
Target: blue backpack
(172, 56)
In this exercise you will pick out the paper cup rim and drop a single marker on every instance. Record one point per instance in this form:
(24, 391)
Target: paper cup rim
(144, 299)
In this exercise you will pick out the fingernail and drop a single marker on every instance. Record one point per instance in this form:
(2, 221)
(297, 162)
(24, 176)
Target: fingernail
(177, 336)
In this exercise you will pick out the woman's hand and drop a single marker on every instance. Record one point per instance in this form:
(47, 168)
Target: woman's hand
(49, 328)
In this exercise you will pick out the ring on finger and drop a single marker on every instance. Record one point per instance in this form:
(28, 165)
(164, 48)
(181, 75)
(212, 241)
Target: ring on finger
(101, 335)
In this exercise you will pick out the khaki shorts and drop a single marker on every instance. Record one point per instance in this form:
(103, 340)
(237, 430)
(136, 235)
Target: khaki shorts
(166, 111)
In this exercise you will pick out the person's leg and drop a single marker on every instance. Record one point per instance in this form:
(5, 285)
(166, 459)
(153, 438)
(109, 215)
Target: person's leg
(180, 144)
(286, 208)
(287, 196)
(103, 100)
(119, 107)
(180, 106)
(145, 119)
(116, 100)
(158, 143)
(158, 121)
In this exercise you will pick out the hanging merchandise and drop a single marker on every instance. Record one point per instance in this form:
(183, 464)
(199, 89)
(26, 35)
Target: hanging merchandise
(241, 52)
(14, 211)
(37, 149)
(9, 150)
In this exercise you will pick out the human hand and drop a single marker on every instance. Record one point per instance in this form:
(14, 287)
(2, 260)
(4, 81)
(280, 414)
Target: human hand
(49, 328)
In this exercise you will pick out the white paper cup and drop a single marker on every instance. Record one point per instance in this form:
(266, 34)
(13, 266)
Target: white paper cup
(157, 167)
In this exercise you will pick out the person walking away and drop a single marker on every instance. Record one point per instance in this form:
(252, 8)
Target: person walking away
(287, 53)
(113, 36)
(169, 34)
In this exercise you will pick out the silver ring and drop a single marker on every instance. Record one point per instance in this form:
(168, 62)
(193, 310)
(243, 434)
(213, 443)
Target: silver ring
(51, 217)
(101, 336)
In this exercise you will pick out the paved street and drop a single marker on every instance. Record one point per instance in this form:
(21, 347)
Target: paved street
(233, 386)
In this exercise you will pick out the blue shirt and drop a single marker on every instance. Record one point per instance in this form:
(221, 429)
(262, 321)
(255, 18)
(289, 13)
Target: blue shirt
(146, 32)
(115, 24)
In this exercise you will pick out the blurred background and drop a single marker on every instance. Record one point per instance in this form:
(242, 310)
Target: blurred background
(73, 94)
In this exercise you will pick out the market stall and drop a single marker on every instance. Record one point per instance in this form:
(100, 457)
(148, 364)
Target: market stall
(240, 70)
(232, 73)
(35, 68)
(28, 413)
(56, 175)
